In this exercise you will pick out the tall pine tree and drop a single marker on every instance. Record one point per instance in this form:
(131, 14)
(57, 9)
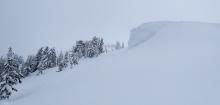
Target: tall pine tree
(43, 64)
(52, 58)
(37, 59)
(10, 75)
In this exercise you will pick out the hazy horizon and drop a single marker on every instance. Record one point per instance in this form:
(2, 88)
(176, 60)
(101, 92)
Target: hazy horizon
(26, 25)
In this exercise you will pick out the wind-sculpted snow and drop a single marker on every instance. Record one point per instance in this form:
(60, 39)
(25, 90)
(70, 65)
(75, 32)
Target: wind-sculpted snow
(179, 65)
(144, 32)
(173, 31)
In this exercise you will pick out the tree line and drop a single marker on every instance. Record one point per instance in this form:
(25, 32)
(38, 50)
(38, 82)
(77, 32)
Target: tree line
(13, 67)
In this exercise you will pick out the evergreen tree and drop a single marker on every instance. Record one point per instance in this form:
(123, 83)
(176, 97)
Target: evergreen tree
(74, 57)
(94, 47)
(20, 62)
(118, 46)
(19, 59)
(66, 59)
(26, 71)
(37, 60)
(80, 48)
(27, 66)
(44, 62)
(2, 62)
(90, 49)
(101, 46)
(60, 62)
(42, 66)
(60, 58)
(98, 44)
(91, 53)
(123, 45)
(52, 58)
(10, 75)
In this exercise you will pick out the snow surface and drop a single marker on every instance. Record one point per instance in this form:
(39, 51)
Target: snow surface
(167, 63)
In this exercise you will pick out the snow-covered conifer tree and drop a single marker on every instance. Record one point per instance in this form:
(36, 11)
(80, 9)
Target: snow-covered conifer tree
(37, 59)
(80, 49)
(118, 46)
(123, 45)
(73, 57)
(60, 62)
(95, 47)
(10, 76)
(101, 46)
(44, 62)
(52, 58)
(91, 49)
(27, 66)
(2, 62)
(66, 59)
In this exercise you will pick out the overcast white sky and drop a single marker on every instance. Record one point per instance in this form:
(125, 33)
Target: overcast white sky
(27, 25)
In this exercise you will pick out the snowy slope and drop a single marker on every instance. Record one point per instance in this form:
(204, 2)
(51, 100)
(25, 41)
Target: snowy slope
(167, 63)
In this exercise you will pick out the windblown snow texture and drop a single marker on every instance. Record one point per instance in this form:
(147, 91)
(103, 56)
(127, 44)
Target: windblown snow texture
(168, 63)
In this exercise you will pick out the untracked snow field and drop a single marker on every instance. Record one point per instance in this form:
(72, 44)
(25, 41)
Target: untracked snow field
(166, 63)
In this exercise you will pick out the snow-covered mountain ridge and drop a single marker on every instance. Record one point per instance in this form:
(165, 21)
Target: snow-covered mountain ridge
(167, 63)
(178, 29)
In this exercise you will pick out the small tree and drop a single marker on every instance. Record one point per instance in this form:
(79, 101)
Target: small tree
(60, 62)
(66, 59)
(74, 57)
(123, 45)
(26, 70)
(101, 46)
(118, 46)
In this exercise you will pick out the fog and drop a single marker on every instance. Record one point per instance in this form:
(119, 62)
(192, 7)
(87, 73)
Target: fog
(26, 25)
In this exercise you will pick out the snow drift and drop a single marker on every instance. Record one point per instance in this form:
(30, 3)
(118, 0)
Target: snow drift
(168, 63)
